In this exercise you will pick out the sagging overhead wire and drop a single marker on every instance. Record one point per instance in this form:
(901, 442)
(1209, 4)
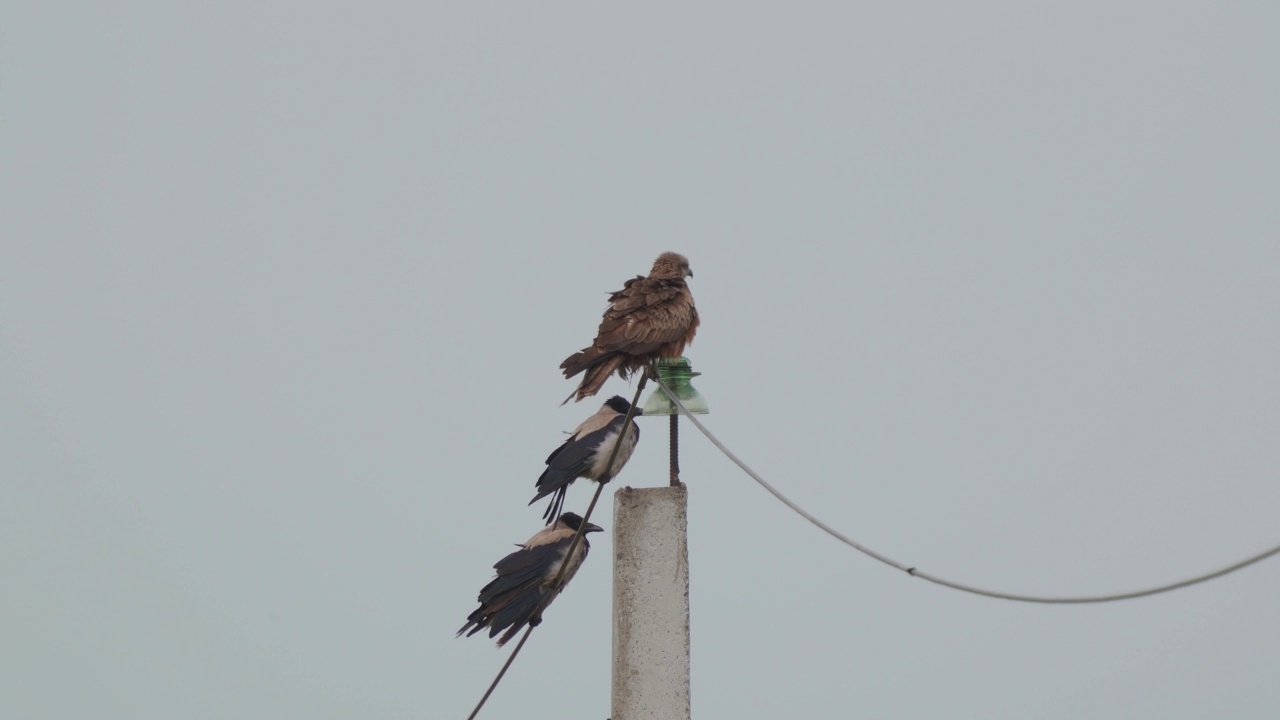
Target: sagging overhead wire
(557, 583)
(963, 587)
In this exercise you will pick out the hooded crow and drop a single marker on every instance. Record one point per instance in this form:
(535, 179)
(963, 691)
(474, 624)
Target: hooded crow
(586, 453)
(524, 579)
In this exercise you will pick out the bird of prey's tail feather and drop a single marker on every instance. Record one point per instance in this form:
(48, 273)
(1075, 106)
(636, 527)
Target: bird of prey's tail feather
(598, 368)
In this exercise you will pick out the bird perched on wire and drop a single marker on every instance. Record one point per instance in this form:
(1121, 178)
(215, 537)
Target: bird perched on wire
(586, 453)
(649, 318)
(524, 579)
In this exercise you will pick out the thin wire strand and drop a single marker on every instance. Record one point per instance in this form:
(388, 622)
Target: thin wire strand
(510, 658)
(608, 475)
(557, 584)
(913, 572)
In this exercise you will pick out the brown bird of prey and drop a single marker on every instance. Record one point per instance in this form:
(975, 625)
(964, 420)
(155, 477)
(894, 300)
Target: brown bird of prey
(650, 317)
(586, 453)
(524, 579)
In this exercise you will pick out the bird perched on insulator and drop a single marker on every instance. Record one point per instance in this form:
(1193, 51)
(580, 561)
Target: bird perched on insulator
(586, 453)
(649, 318)
(525, 577)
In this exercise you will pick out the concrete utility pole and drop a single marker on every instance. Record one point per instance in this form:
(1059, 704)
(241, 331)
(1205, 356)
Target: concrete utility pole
(651, 604)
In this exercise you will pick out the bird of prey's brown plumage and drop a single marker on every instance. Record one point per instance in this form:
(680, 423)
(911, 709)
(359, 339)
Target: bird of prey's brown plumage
(649, 318)
(525, 576)
(586, 453)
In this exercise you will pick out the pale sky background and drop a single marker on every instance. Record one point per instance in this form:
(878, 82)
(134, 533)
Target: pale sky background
(994, 288)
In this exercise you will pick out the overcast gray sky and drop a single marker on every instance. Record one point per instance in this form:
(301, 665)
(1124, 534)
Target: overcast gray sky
(993, 288)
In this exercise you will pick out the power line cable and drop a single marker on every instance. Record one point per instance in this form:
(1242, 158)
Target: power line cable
(558, 583)
(963, 587)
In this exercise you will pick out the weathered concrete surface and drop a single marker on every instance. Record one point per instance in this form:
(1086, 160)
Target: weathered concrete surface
(651, 604)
